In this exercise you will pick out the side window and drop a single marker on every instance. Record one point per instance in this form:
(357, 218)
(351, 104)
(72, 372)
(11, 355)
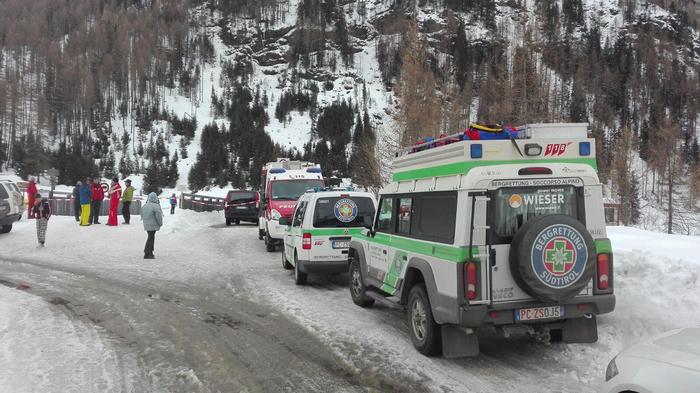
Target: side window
(386, 215)
(299, 214)
(437, 216)
(405, 211)
(3, 193)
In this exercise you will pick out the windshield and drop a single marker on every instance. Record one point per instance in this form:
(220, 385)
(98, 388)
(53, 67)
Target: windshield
(291, 190)
(513, 207)
(339, 212)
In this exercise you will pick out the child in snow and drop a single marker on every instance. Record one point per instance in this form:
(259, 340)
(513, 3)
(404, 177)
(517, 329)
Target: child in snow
(173, 203)
(42, 212)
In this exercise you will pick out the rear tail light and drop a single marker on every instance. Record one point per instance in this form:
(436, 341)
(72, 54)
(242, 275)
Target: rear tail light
(470, 280)
(257, 200)
(306, 241)
(603, 271)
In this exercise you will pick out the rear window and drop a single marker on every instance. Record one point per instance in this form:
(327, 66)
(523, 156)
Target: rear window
(513, 207)
(239, 197)
(334, 212)
(3, 193)
(13, 187)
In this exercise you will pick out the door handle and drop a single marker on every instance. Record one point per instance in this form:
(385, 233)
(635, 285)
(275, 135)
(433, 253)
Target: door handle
(492, 257)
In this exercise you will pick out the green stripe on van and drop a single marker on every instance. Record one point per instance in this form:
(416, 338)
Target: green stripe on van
(333, 231)
(603, 246)
(459, 168)
(446, 252)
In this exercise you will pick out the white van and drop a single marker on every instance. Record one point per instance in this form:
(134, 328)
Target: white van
(318, 235)
(11, 205)
(475, 232)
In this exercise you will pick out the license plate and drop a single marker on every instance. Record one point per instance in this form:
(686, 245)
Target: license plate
(241, 207)
(341, 244)
(529, 314)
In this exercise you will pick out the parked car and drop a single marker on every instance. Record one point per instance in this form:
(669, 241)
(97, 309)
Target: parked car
(241, 206)
(669, 363)
(11, 205)
(474, 231)
(317, 237)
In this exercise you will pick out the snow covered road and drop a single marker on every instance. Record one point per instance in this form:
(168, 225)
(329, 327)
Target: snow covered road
(216, 313)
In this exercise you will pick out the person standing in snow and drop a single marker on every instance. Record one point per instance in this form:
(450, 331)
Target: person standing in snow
(31, 196)
(173, 203)
(76, 200)
(85, 199)
(152, 217)
(115, 194)
(98, 195)
(41, 210)
(127, 197)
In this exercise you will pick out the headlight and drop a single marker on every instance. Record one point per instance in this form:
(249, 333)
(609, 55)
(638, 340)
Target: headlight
(275, 215)
(611, 371)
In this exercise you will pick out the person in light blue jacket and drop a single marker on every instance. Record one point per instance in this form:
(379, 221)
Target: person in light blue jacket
(152, 217)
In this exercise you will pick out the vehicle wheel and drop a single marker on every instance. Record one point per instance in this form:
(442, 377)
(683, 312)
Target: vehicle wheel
(285, 263)
(237, 221)
(228, 222)
(269, 243)
(261, 234)
(6, 228)
(424, 331)
(555, 335)
(357, 286)
(299, 276)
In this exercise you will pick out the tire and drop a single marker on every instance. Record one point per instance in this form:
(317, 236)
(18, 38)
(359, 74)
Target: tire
(299, 276)
(358, 291)
(6, 228)
(269, 243)
(261, 234)
(424, 331)
(552, 258)
(237, 222)
(228, 222)
(285, 263)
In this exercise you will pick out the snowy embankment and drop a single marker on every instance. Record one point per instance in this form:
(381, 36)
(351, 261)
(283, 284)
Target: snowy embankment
(42, 350)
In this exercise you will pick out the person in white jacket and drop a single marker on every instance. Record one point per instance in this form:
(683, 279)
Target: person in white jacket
(152, 217)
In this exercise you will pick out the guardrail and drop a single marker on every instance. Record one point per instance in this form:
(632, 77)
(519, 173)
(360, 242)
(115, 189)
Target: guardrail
(200, 203)
(64, 206)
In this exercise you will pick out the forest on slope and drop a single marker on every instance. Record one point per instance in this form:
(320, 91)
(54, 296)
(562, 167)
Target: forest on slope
(84, 87)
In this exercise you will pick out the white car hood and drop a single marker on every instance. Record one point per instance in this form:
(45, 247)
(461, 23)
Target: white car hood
(678, 347)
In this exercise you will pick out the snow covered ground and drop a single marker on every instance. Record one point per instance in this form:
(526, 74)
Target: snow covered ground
(201, 264)
(44, 350)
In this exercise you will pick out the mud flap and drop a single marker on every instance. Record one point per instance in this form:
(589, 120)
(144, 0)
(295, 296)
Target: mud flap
(458, 342)
(580, 330)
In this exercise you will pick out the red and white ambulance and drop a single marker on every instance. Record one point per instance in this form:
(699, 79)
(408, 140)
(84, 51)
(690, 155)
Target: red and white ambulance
(283, 182)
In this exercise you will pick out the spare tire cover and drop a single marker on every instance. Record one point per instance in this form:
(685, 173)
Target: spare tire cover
(552, 258)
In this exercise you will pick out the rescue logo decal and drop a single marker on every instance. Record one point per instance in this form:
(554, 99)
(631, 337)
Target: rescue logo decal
(345, 210)
(559, 256)
(556, 149)
(515, 201)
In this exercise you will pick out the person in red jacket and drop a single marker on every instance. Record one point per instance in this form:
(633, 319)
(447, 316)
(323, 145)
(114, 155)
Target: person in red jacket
(98, 195)
(31, 195)
(115, 194)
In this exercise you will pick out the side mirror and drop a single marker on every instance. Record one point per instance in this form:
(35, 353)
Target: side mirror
(284, 221)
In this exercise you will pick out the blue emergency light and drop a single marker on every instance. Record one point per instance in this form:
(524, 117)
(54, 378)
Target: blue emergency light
(277, 170)
(476, 150)
(313, 170)
(584, 148)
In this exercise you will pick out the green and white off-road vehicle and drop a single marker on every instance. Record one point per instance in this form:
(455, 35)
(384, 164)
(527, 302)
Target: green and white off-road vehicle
(508, 233)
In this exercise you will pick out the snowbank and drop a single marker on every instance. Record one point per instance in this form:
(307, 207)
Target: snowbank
(42, 350)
